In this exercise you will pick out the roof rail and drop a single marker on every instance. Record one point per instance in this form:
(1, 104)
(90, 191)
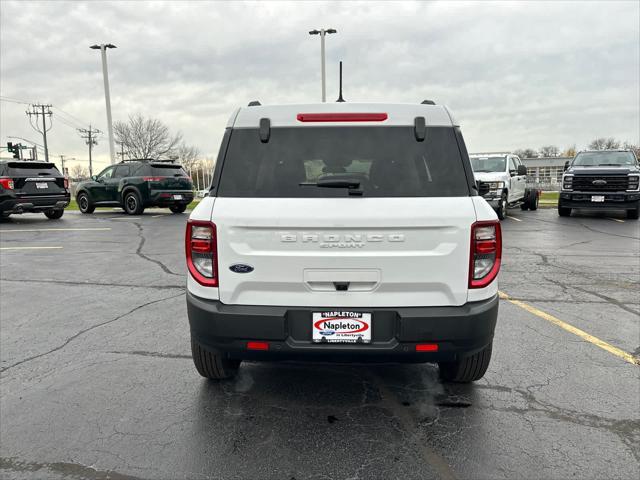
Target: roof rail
(428, 102)
(148, 160)
(254, 103)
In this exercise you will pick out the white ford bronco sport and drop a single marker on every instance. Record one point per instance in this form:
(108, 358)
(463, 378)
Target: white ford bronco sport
(343, 232)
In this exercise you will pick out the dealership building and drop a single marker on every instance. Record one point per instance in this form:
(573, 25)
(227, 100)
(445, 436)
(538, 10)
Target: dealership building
(545, 172)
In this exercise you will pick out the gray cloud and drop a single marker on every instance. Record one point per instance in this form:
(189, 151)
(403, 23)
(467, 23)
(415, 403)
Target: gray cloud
(515, 74)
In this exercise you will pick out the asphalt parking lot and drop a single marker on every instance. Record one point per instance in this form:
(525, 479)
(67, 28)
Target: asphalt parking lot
(97, 379)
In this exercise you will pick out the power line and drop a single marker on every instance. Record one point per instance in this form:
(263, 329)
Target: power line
(73, 117)
(13, 100)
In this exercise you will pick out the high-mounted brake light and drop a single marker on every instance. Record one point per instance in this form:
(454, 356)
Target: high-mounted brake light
(202, 252)
(7, 183)
(342, 117)
(486, 253)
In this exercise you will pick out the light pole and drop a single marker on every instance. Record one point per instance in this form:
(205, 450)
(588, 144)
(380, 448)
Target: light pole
(107, 97)
(322, 32)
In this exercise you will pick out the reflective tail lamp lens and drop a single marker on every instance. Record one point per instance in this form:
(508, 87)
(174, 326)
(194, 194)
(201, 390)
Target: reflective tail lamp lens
(486, 253)
(66, 182)
(7, 183)
(202, 252)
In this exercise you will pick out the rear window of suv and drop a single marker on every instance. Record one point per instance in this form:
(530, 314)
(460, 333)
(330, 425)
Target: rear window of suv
(386, 161)
(21, 169)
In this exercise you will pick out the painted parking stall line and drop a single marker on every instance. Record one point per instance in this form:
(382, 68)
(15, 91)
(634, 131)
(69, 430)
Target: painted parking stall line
(626, 356)
(514, 218)
(23, 230)
(615, 219)
(30, 248)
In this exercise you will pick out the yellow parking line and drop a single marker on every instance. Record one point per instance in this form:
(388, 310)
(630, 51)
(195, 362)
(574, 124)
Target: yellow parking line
(29, 248)
(615, 219)
(55, 230)
(514, 218)
(576, 331)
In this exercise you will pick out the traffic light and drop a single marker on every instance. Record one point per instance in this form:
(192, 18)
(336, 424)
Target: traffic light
(15, 149)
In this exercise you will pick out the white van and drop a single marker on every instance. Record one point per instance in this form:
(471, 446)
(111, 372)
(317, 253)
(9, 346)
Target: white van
(343, 232)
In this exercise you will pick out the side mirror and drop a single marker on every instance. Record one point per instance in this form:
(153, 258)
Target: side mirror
(94, 178)
(483, 188)
(522, 170)
(566, 165)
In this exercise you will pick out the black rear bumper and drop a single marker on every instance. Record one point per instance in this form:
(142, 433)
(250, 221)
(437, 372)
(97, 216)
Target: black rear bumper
(35, 203)
(616, 200)
(458, 331)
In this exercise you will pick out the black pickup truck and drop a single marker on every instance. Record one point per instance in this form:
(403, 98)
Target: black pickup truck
(28, 186)
(604, 179)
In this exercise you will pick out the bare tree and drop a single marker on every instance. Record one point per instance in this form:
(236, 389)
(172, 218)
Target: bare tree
(146, 138)
(569, 151)
(188, 156)
(526, 153)
(634, 148)
(549, 151)
(78, 172)
(609, 143)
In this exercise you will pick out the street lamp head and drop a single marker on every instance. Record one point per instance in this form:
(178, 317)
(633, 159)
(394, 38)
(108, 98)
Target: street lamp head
(314, 32)
(110, 45)
(331, 30)
(95, 47)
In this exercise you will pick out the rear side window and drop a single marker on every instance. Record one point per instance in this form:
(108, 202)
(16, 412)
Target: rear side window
(386, 161)
(168, 171)
(22, 169)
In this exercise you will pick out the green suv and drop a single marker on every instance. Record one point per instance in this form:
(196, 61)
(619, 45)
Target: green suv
(135, 185)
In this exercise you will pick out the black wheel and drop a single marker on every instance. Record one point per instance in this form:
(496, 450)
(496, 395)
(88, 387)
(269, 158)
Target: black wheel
(84, 203)
(502, 207)
(633, 214)
(215, 366)
(532, 199)
(564, 211)
(178, 208)
(132, 204)
(54, 214)
(4, 216)
(467, 369)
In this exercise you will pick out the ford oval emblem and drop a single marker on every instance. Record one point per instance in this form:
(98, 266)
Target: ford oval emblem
(241, 268)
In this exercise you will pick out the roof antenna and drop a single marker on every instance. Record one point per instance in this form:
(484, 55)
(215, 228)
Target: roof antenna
(340, 99)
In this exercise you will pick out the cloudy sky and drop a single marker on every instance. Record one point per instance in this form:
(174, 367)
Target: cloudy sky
(522, 74)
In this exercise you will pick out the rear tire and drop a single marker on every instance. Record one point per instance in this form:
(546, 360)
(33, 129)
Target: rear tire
(54, 214)
(502, 207)
(633, 214)
(85, 204)
(132, 204)
(533, 200)
(564, 211)
(468, 369)
(213, 365)
(178, 208)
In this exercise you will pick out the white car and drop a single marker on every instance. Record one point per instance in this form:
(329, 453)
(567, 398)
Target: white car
(502, 180)
(343, 232)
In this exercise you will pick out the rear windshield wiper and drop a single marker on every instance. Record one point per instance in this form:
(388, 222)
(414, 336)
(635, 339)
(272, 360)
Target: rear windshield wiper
(611, 165)
(352, 185)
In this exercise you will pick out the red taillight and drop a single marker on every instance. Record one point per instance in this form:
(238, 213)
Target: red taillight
(7, 183)
(202, 252)
(486, 253)
(66, 182)
(342, 117)
(427, 347)
(152, 179)
(257, 345)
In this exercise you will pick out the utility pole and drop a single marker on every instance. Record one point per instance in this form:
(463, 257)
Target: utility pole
(45, 111)
(107, 95)
(322, 32)
(121, 152)
(89, 136)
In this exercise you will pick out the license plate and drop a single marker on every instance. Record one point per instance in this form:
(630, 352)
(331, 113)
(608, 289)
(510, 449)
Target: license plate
(177, 197)
(42, 185)
(341, 327)
(597, 198)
